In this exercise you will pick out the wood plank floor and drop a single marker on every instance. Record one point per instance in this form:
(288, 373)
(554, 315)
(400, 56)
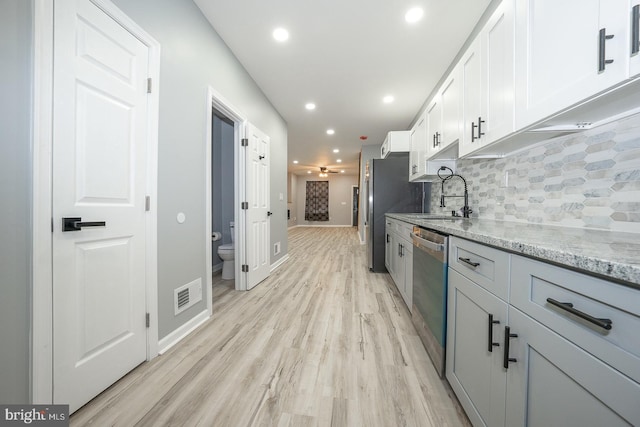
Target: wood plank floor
(321, 342)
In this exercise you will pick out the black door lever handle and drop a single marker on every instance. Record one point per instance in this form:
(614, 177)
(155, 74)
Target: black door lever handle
(76, 224)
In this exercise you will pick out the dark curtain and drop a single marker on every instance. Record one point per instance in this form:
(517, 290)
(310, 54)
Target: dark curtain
(316, 207)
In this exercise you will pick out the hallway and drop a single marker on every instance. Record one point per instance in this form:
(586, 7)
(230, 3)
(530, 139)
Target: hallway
(321, 342)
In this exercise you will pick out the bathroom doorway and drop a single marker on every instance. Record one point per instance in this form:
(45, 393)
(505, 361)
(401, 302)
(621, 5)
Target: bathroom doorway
(222, 192)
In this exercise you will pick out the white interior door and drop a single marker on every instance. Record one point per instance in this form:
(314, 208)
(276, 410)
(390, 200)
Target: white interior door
(99, 174)
(257, 215)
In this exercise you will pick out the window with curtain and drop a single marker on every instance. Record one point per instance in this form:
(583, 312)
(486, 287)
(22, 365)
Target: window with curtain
(316, 206)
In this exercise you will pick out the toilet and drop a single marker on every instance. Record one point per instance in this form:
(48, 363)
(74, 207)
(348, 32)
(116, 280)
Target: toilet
(227, 253)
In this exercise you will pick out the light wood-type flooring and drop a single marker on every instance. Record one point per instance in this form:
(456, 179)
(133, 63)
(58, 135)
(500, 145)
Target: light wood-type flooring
(321, 342)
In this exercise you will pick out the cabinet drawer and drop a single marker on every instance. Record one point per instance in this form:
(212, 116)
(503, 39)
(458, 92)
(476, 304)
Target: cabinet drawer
(486, 266)
(544, 292)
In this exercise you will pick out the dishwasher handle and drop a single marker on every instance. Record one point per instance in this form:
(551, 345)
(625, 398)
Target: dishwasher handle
(419, 241)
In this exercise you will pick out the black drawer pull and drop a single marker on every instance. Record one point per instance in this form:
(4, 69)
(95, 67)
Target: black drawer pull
(507, 336)
(567, 306)
(490, 343)
(469, 262)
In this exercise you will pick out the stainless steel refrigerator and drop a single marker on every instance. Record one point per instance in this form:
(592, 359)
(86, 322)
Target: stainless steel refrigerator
(388, 190)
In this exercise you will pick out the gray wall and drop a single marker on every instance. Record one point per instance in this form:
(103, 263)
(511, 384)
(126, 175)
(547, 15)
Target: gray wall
(193, 58)
(292, 192)
(15, 183)
(339, 198)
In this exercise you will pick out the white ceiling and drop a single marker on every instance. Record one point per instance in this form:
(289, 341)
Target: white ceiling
(344, 56)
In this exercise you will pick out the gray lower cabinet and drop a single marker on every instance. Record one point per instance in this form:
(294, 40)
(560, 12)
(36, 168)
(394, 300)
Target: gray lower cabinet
(566, 350)
(399, 257)
(553, 382)
(475, 321)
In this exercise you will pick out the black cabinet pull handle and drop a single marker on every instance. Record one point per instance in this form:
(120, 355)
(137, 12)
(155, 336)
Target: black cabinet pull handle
(469, 262)
(507, 336)
(473, 133)
(635, 29)
(76, 224)
(387, 238)
(437, 138)
(490, 343)
(480, 122)
(602, 38)
(567, 306)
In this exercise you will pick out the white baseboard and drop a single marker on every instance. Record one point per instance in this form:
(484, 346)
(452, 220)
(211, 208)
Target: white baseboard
(176, 336)
(278, 263)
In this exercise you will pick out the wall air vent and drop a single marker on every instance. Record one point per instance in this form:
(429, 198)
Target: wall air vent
(187, 295)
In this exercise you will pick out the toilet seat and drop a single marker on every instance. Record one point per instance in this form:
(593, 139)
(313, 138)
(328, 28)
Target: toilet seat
(226, 247)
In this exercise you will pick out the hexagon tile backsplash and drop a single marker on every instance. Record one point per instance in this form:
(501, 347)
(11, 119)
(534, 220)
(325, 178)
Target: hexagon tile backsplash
(587, 179)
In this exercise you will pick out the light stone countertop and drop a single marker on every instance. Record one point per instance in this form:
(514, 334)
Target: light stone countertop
(610, 254)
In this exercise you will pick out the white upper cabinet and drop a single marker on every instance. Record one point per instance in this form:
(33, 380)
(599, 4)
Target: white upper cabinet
(417, 155)
(434, 126)
(634, 48)
(567, 52)
(443, 116)
(487, 73)
(471, 75)
(395, 142)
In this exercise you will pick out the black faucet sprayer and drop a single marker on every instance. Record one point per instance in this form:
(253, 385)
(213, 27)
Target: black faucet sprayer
(466, 210)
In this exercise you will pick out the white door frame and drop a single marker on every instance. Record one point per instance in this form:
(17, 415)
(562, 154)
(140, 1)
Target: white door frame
(217, 101)
(41, 352)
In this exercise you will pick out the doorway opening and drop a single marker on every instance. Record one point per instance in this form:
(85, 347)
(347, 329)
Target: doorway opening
(355, 202)
(224, 185)
(222, 196)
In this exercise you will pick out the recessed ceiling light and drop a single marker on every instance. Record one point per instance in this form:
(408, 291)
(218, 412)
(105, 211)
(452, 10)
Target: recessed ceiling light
(339, 160)
(388, 99)
(330, 131)
(295, 162)
(310, 106)
(335, 150)
(308, 171)
(342, 171)
(413, 15)
(280, 34)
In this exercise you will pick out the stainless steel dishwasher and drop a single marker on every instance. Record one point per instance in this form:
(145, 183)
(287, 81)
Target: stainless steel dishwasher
(429, 313)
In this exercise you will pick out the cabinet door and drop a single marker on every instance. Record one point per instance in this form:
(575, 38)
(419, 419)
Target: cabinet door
(451, 100)
(388, 246)
(634, 48)
(552, 382)
(474, 367)
(408, 275)
(417, 155)
(434, 126)
(559, 49)
(471, 77)
(398, 265)
(498, 80)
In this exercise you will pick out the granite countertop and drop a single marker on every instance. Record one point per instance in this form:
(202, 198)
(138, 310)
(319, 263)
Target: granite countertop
(610, 254)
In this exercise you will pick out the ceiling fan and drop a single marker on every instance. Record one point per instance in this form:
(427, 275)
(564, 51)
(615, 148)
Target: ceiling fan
(326, 170)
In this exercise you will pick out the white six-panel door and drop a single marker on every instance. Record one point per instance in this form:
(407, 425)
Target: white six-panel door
(99, 174)
(257, 215)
